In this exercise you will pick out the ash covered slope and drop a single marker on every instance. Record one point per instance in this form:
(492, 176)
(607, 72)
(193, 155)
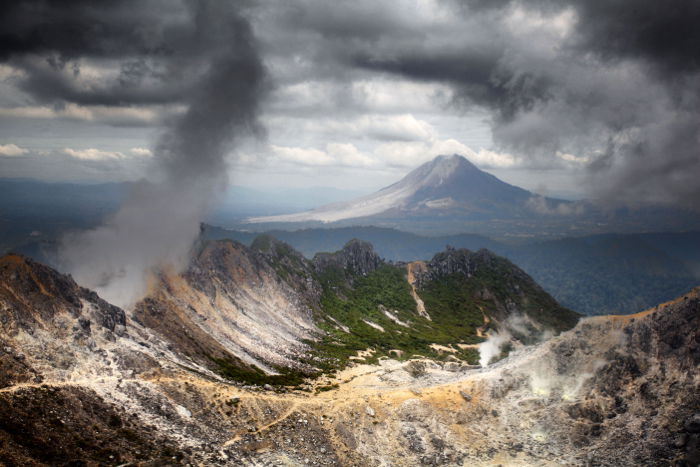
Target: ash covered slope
(231, 309)
(67, 363)
(613, 391)
(447, 184)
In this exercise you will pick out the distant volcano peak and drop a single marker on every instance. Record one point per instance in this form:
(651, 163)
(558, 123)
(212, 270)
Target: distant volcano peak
(445, 183)
(439, 170)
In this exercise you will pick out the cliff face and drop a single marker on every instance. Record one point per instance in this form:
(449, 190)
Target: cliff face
(234, 305)
(357, 258)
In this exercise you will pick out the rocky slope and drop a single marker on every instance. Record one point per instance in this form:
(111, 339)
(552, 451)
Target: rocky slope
(232, 308)
(86, 384)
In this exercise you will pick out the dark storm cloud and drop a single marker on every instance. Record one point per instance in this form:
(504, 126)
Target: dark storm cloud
(618, 86)
(665, 34)
(476, 74)
(151, 52)
(662, 33)
(71, 29)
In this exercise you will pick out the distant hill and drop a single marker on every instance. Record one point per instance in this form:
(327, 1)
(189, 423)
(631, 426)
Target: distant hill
(35, 211)
(32, 210)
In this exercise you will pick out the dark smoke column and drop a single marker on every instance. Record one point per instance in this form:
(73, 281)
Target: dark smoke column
(158, 223)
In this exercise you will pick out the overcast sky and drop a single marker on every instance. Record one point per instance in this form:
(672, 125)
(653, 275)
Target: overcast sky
(569, 98)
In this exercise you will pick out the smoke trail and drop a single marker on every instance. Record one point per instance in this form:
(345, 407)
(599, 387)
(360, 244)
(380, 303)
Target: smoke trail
(158, 223)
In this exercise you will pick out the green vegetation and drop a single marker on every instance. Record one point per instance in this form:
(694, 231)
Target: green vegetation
(386, 289)
(376, 313)
(252, 375)
(285, 260)
(506, 283)
(327, 388)
(452, 304)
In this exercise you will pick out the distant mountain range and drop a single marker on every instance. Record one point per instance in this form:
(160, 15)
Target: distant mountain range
(32, 210)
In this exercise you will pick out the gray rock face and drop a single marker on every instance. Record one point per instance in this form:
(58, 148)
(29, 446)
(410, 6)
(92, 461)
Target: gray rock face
(464, 262)
(36, 294)
(252, 307)
(357, 258)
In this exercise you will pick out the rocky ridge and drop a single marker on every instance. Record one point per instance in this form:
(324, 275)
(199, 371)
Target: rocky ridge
(357, 258)
(266, 311)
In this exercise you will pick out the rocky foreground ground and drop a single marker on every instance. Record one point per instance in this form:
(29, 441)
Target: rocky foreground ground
(613, 391)
(84, 384)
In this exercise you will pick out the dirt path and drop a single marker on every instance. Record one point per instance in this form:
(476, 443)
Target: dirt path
(286, 414)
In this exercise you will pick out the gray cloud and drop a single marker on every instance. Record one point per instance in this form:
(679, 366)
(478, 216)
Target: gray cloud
(148, 52)
(612, 85)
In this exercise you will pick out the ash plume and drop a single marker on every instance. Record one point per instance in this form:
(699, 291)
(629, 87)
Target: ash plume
(158, 223)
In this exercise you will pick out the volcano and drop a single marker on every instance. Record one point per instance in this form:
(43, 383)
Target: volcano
(443, 187)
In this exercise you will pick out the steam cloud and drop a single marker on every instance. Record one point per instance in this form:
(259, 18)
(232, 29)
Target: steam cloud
(158, 223)
(516, 325)
(492, 346)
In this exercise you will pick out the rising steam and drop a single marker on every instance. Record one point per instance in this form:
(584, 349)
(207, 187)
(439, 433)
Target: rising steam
(517, 327)
(158, 223)
(491, 348)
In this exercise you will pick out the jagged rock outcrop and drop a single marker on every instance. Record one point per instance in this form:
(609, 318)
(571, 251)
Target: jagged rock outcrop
(461, 261)
(48, 316)
(291, 266)
(357, 258)
(33, 295)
